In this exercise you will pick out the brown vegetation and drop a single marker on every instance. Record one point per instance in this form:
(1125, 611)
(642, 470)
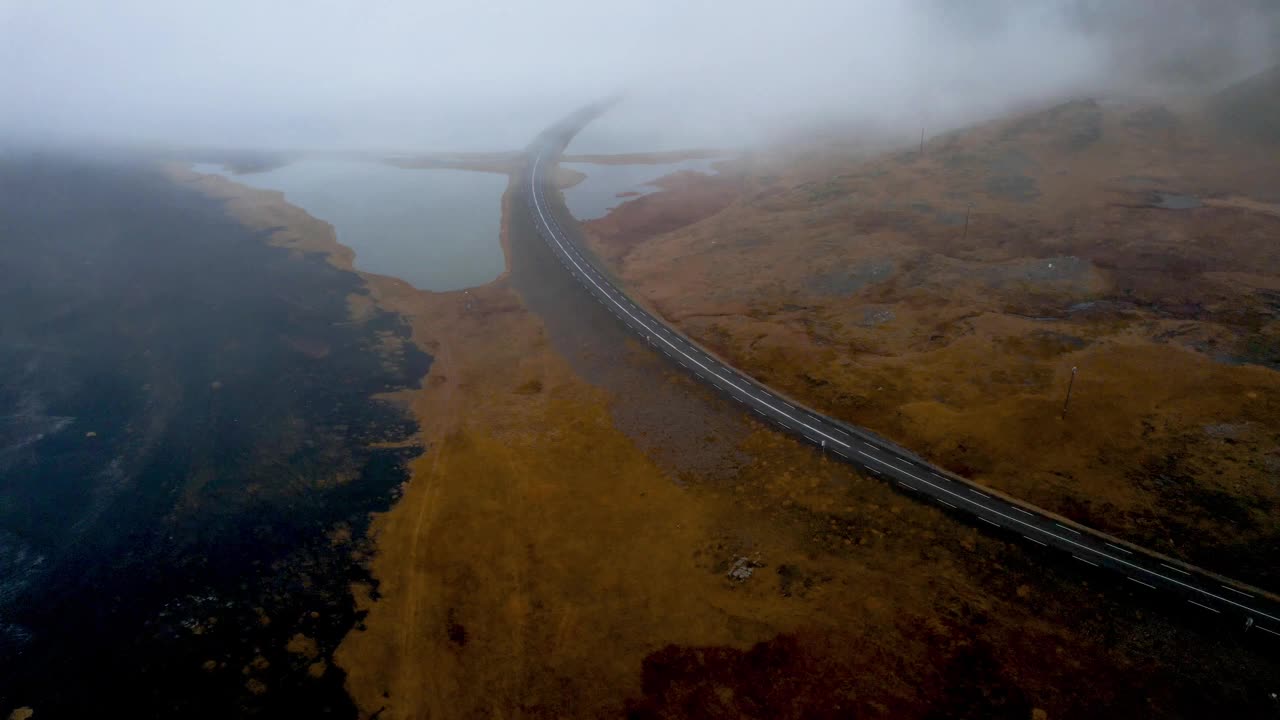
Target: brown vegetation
(591, 534)
(685, 198)
(860, 290)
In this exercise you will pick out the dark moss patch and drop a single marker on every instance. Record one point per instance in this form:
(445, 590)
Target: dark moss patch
(529, 387)
(794, 581)
(211, 428)
(456, 631)
(1019, 188)
(1073, 126)
(1260, 349)
(850, 279)
(825, 191)
(1153, 118)
(961, 161)
(793, 676)
(1191, 513)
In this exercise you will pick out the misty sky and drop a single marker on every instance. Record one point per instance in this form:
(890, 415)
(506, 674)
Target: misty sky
(487, 74)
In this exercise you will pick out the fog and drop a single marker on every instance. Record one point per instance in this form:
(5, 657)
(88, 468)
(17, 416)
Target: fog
(487, 74)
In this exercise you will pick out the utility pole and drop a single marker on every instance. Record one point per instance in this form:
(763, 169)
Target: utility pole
(922, 142)
(965, 235)
(1070, 384)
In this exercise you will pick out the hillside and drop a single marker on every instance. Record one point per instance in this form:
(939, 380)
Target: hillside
(943, 301)
(1251, 109)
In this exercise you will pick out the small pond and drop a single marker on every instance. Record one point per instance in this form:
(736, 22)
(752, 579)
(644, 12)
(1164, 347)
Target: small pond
(1174, 201)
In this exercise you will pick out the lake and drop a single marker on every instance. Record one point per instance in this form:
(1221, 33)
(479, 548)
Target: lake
(436, 229)
(596, 195)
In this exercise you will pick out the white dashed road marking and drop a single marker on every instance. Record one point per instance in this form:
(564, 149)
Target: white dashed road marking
(1206, 607)
(1228, 587)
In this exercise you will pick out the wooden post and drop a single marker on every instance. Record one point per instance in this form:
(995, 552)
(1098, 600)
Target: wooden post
(965, 235)
(1070, 384)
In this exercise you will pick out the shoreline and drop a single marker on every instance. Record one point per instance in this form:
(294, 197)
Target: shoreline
(660, 157)
(198, 513)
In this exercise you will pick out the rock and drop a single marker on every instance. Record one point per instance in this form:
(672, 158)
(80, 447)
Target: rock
(1038, 714)
(21, 713)
(742, 569)
(1225, 431)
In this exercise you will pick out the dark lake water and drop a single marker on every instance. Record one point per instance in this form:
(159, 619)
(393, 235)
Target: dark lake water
(437, 229)
(185, 420)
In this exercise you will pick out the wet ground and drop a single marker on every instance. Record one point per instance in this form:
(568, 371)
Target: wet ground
(185, 459)
(1175, 201)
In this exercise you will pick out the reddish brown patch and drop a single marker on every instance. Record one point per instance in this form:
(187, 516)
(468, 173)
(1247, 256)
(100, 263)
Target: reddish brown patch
(802, 676)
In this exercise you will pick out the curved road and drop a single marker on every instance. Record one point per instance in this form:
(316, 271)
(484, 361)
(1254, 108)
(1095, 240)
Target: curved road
(1255, 610)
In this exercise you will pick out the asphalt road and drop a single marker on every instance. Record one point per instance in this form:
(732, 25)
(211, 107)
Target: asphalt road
(1255, 611)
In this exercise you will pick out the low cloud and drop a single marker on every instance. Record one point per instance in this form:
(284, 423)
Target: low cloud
(487, 74)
